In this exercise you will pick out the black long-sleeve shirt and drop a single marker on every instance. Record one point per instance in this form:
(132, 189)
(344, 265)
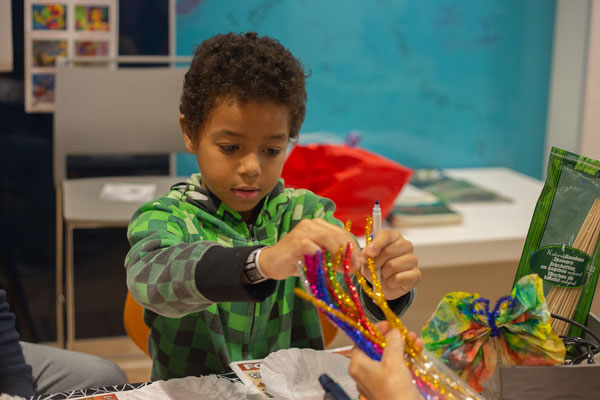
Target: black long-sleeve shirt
(15, 374)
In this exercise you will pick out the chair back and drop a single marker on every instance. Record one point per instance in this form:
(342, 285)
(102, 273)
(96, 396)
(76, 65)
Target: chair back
(135, 327)
(106, 111)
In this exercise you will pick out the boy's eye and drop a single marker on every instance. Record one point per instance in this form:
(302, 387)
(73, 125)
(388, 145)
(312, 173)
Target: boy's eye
(230, 148)
(273, 152)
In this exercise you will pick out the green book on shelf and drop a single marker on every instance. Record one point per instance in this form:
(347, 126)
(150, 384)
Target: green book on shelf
(451, 190)
(416, 207)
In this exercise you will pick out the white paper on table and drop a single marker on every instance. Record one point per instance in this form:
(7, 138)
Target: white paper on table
(208, 387)
(130, 192)
(294, 373)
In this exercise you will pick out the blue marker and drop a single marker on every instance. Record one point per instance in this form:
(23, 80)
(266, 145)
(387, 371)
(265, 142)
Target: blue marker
(333, 391)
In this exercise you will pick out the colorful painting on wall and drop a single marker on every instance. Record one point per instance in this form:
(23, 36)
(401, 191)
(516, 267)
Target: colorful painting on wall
(91, 18)
(91, 48)
(46, 51)
(49, 16)
(80, 31)
(43, 87)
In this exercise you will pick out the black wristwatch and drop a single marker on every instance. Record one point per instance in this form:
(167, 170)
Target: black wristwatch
(251, 270)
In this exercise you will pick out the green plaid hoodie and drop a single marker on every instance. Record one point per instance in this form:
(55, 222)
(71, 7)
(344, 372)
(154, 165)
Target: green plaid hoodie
(185, 267)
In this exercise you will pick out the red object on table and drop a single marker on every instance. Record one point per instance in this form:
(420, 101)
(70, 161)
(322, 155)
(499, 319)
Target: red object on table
(350, 176)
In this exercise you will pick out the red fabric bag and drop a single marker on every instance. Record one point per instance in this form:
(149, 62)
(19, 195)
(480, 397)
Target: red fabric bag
(352, 177)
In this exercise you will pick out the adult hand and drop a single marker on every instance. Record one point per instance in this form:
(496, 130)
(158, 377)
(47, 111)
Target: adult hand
(394, 256)
(309, 236)
(389, 379)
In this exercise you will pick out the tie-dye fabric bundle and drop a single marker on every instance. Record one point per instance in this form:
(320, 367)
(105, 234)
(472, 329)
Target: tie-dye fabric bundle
(471, 339)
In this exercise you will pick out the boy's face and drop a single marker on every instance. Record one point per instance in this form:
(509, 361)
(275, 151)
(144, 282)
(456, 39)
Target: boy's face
(241, 150)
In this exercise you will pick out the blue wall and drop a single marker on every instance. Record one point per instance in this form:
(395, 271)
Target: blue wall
(434, 83)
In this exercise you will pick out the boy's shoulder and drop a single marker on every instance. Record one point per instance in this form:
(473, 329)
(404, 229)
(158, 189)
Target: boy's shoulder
(307, 198)
(301, 194)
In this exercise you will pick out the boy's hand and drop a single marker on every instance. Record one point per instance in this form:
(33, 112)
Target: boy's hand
(389, 379)
(309, 236)
(394, 256)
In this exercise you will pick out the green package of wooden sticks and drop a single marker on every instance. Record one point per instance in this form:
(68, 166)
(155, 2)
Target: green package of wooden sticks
(562, 244)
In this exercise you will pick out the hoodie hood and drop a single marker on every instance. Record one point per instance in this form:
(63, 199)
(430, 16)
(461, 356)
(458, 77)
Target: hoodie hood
(194, 193)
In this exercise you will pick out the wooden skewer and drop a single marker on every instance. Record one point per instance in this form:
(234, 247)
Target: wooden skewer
(563, 301)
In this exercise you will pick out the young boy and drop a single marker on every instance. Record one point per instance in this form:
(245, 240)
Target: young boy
(214, 261)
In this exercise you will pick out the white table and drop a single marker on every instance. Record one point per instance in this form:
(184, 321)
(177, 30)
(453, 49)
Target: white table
(490, 232)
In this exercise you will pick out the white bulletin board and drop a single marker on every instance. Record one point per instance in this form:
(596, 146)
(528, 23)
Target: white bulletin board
(68, 28)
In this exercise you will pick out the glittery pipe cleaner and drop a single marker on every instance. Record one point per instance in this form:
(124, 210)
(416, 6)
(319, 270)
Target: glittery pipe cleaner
(335, 294)
(348, 305)
(369, 348)
(362, 318)
(372, 350)
(321, 285)
(311, 274)
(321, 305)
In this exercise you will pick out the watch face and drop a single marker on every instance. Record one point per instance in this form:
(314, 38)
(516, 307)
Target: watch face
(253, 275)
(250, 269)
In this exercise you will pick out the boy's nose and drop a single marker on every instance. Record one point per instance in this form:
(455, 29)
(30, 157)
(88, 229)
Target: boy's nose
(250, 165)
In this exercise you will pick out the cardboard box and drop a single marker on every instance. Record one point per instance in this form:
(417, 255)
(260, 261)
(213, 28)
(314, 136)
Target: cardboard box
(577, 382)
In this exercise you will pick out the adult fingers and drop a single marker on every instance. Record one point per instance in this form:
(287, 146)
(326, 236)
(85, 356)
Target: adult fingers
(393, 355)
(418, 342)
(361, 366)
(383, 326)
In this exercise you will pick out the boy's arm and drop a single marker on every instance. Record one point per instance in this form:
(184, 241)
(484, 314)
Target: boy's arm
(172, 277)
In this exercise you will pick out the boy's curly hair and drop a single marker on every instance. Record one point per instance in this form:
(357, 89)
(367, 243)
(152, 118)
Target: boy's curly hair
(245, 67)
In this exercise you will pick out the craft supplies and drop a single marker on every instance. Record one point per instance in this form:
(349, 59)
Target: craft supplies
(472, 339)
(563, 300)
(562, 244)
(333, 391)
(340, 303)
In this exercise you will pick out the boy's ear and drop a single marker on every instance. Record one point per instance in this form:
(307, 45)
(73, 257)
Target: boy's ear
(189, 142)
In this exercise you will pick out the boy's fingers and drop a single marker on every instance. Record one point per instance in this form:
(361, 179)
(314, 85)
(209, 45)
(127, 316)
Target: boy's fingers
(336, 237)
(406, 280)
(398, 265)
(389, 244)
(398, 248)
(332, 237)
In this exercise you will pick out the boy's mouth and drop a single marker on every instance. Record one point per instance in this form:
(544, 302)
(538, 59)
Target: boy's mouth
(246, 193)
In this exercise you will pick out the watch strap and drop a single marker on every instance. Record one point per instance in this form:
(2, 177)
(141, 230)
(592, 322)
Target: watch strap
(251, 268)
